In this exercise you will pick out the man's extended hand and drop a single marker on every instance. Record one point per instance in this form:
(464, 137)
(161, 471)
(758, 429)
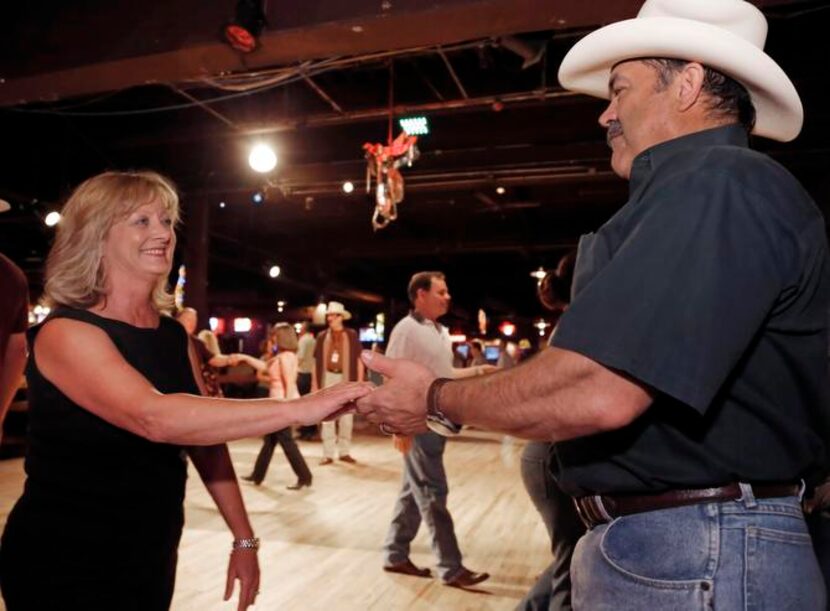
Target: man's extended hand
(401, 403)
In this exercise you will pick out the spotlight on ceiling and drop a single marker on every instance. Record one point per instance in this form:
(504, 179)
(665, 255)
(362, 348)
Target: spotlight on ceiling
(262, 158)
(247, 24)
(222, 204)
(500, 190)
(52, 219)
(348, 186)
(274, 271)
(415, 126)
(258, 197)
(539, 274)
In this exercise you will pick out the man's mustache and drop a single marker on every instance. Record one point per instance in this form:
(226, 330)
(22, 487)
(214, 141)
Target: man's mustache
(614, 130)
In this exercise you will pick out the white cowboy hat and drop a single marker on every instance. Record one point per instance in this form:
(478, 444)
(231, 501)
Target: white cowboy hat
(727, 35)
(335, 307)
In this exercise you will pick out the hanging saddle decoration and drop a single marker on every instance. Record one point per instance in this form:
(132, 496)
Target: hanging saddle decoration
(382, 166)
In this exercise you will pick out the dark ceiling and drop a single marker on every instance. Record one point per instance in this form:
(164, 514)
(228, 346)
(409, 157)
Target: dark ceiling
(494, 124)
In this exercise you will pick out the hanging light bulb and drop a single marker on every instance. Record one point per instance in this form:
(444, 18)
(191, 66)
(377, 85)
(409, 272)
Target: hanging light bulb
(262, 158)
(539, 274)
(52, 219)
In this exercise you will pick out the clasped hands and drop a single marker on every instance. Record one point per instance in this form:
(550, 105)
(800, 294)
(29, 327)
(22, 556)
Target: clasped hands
(400, 405)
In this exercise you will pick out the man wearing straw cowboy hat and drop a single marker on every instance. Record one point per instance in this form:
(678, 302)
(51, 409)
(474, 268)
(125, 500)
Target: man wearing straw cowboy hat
(336, 355)
(686, 387)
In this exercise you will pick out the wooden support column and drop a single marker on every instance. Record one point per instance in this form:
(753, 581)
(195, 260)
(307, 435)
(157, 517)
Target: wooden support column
(196, 223)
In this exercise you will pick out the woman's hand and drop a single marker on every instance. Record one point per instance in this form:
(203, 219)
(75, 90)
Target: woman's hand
(244, 566)
(331, 402)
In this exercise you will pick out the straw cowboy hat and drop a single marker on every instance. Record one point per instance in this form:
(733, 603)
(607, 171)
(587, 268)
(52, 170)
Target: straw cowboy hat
(335, 307)
(727, 35)
(4, 206)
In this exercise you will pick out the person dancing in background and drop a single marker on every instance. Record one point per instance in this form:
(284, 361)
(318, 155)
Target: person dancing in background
(336, 353)
(210, 357)
(113, 405)
(424, 489)
(552, 590)
(282, 375)
(14, 319)
(305, 367)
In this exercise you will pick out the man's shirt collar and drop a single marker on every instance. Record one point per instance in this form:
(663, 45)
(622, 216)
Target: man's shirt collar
(425, 321)
(649, 160)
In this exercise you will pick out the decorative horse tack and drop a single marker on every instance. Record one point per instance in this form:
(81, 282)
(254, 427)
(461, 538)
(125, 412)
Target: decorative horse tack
(383, 163)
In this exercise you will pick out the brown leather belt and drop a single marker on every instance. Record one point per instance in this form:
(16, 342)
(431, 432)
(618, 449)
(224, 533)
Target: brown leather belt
(600, 509)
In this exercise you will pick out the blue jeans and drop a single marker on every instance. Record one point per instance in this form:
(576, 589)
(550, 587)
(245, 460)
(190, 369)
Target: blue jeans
(423, 496)
(749, 554)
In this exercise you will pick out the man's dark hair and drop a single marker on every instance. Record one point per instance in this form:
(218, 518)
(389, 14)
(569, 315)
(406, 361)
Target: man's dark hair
(727, 97)
(421, 280)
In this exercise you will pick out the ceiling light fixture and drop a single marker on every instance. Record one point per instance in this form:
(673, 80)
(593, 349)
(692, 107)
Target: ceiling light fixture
(247, 25)
(262, 158)
(348, 186)
(414, 126)
(52, 219)
(274, 271)
(507, 328)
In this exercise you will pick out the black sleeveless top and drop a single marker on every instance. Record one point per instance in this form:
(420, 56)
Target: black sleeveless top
(99, 502)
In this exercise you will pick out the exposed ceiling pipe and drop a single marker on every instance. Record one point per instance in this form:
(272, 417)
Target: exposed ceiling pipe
(404, 109)
(531, 53)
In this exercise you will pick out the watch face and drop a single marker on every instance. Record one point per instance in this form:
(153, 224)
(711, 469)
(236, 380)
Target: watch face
(442, 425)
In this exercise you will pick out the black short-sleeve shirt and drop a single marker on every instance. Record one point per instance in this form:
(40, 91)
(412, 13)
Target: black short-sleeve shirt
(711, 286)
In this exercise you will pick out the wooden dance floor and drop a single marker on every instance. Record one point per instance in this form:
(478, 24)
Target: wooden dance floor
(321, 546)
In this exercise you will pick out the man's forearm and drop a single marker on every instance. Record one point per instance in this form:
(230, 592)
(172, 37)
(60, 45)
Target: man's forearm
(555, 396)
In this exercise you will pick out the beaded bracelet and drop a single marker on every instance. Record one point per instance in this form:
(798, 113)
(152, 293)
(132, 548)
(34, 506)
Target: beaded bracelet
(252, 543)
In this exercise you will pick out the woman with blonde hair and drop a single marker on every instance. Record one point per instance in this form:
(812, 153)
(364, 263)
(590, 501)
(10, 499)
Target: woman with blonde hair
(113, 406)
(282, 375)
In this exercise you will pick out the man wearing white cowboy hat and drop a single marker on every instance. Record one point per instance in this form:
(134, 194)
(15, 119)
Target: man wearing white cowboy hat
(336, 353)
(14, 318)
(686, 387)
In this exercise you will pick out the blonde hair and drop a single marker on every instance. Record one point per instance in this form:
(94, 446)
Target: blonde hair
(210, 340)
(74, 269)
(285, 337)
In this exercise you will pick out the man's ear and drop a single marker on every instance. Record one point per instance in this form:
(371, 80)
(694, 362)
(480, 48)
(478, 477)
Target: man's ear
(689, 85)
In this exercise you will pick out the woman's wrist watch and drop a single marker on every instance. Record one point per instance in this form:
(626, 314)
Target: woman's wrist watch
(437, 421)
